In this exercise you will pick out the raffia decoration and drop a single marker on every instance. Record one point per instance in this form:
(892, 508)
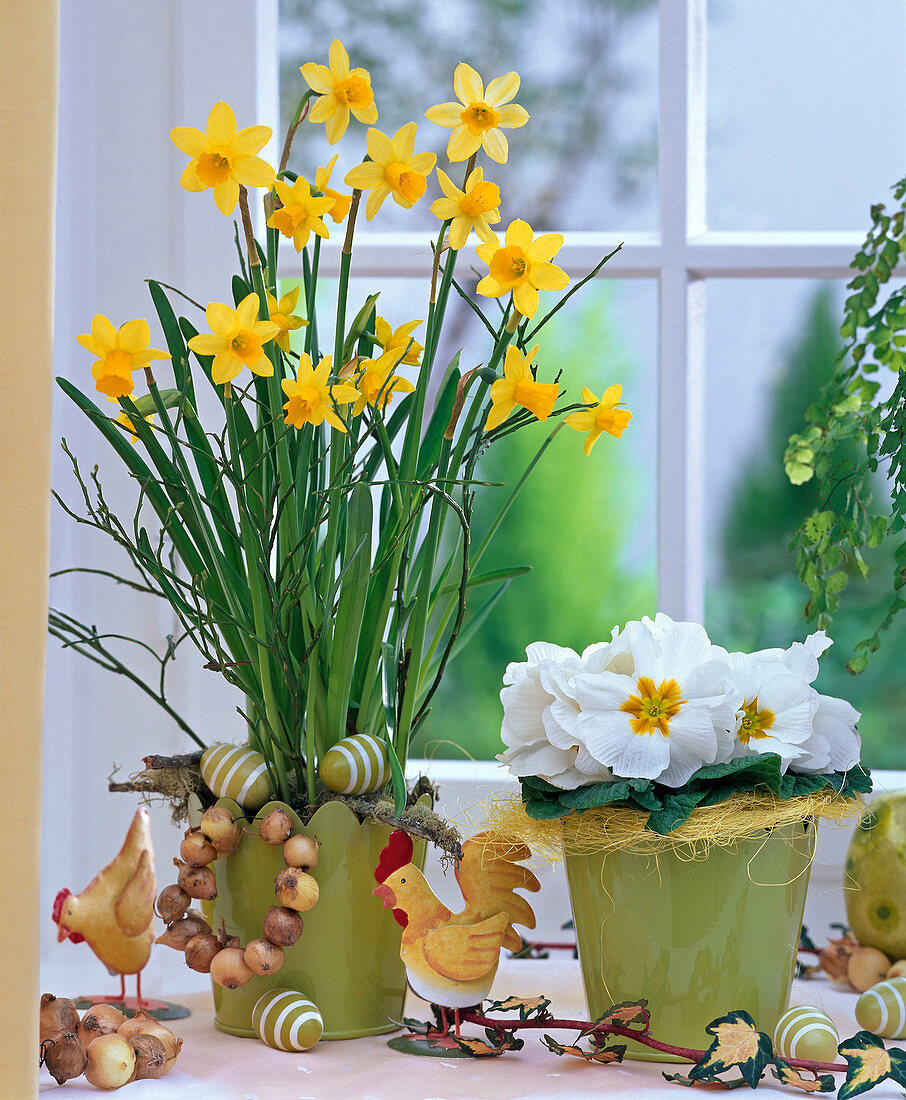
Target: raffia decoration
(606, 829)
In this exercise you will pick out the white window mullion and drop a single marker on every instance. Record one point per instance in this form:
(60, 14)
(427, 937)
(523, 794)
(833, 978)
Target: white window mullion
(681, 183)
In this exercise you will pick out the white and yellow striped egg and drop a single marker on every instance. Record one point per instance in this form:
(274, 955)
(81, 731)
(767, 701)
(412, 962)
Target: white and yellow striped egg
(237, 772)
(355, 765)
(287, 1020)
(808, 1033)
(882, 1009)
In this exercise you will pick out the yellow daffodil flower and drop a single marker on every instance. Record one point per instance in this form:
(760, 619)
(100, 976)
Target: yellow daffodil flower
(393, 169)
(341, 203)
(390, 339)
(521, 264)
(125, 421)
(236, 340)
(518, 387)
(120, 352)
(600, 416)
(301, 213)
(480, 115)
(475, 208)
(377, 383)
(312, 399)
(283, 317)
(223, 158)
(340, 90)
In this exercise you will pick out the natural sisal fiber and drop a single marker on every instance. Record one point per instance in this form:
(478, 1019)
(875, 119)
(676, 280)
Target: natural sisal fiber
(606, 829)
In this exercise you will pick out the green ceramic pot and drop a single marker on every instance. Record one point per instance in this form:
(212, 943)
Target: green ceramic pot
(347, 959)
(696, 937)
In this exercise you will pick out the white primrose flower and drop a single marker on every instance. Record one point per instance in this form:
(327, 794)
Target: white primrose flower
(835, 744)
(777, 710)
(539, 719)
(668, 716)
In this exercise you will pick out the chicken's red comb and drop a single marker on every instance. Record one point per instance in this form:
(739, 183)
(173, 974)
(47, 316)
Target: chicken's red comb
(397, 854)
(58, 903)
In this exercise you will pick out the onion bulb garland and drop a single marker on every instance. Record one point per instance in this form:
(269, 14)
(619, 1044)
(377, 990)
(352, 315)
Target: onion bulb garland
(223, 957)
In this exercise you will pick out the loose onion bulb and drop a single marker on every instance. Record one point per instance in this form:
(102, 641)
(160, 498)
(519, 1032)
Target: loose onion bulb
(275, 827)
(111, 1062)
(229, 968)
(218, 826)
(57, 1014)
(150, 1059)
(98, 1021)
(64, 1056)
(296, 890)
(282, 926)
(301, 851)
(143, 1024)
(263, 957)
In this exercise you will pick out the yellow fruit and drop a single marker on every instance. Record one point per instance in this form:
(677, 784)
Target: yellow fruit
(882, 1009)
(286, 1020)
(875, 877)
(806, 1032)
(237, 772)
(355, 765)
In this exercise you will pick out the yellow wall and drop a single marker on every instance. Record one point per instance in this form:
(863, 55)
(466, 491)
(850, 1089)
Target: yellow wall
(28, 97)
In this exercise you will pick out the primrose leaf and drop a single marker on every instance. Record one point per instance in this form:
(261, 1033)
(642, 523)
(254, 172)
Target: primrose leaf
(789, 1075)
(738, 1044)
(604, 1055)
(869, 1064)
(525, 1006)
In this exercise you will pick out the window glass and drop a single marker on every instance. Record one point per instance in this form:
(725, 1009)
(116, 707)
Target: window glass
(770, 345)
(806, 111)
(586, 160)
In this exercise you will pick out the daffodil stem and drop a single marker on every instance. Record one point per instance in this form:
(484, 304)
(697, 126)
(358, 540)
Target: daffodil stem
(298, 119)
(470, 164)
(310, 277)
(250, 243)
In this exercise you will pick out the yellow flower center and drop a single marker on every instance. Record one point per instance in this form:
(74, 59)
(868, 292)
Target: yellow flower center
(480, 117)
(354, 92)
(118, 362)
(246, 346)
(604, 418)
(302, 405)
(755, 723)
(114, 385)
(482, 198)
(409, 184)
(213, 168)
(510, 266)
(653, 707)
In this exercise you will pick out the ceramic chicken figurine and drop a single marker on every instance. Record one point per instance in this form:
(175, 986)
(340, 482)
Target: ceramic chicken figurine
(451, 958)
(114, 914)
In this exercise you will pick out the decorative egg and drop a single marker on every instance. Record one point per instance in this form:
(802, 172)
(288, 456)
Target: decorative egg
(808, 1033)
(882, 1009)
(287, 1020)
(355, 765)
(237, 772)
(875, 877)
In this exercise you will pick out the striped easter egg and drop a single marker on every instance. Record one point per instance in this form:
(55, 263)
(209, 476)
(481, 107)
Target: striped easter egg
(287, 1020)
(355, 765)
(237, 772)
(806, 1032)
(882, 1009)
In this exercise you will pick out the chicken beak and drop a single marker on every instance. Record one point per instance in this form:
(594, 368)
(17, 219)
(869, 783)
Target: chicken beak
(384, 891)
(62, 932)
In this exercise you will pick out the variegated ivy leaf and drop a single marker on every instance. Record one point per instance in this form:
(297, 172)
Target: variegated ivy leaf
(497, 1043)
(525, 1006)
(623, 1014)
(715, 1083)
(789, 1075)
(738, 1044)
(604, 1055)
(869, 1063)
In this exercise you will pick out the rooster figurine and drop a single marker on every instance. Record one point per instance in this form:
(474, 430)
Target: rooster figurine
(451, 958)
(115, 911)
